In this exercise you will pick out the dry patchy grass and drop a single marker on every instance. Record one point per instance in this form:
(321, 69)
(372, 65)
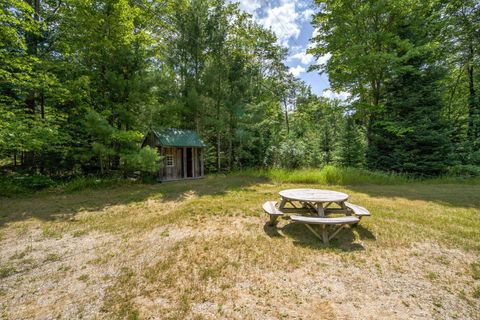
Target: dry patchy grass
(201, 250)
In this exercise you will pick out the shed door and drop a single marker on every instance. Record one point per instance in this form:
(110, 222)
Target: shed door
(189, 163)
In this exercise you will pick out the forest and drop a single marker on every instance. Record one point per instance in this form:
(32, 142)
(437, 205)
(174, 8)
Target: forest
(82, 81)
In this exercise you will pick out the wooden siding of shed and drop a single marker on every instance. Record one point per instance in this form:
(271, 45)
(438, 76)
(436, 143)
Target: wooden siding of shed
(174, 172)
(179, 169)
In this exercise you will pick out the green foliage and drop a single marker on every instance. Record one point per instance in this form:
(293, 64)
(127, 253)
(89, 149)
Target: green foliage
(350, 149)
(316, 127)
(12, 185)
(410, 134)
(289, 154)
(81, 82)
(18, 185)
(381, 47)
(464, 171)
(98, 76)
(329, 175)
(362, 39)
(145, 160)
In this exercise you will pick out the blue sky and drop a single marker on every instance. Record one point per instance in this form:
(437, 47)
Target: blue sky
(290, 21)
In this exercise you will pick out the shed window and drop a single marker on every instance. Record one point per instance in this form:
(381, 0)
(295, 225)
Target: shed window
(169, 160)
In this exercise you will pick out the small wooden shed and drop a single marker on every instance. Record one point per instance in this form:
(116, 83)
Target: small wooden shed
(182, 153)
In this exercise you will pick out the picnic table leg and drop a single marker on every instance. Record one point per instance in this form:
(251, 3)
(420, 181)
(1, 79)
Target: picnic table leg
(273, 218)
(321, 213)
(313, 231)
(324, 237)
(320, 209)
(344, 207)
(336, 231)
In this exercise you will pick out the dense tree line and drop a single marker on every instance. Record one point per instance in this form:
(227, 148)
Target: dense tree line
(412, 69)
(82, 81)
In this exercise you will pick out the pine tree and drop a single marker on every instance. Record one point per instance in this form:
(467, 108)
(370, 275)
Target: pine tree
(350, 149)
(411, 135)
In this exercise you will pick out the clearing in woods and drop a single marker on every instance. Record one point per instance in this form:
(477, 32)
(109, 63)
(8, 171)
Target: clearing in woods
(201, 250)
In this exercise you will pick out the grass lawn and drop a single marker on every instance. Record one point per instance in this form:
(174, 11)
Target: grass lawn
(201, 250)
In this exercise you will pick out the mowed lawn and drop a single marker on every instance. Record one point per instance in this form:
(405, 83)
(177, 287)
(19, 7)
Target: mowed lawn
(202, 250)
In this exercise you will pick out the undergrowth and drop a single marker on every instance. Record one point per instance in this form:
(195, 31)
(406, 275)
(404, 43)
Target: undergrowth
(331, 175)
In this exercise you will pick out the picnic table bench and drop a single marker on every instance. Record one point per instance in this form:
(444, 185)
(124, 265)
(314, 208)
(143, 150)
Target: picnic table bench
(315, 205)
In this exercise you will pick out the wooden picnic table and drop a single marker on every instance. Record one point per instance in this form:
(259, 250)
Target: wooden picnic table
(313, 199)
(314, 207)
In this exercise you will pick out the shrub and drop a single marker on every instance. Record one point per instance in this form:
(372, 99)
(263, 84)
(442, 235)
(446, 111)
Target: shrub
(289, 154)
(464, 171)
(329, 175)
(145, 160)
(36, 182)
(17, 185)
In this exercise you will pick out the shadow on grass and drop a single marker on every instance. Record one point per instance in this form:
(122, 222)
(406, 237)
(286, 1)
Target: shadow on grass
(50, 206)
(305, 238)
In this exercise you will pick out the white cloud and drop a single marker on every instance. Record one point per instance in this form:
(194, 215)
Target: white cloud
(283, 21)
(324, 59)
(250, 6)
(304, 57)
(300, 3)
(295, 49)
(307, 14)
(342, 95)
(296, 70)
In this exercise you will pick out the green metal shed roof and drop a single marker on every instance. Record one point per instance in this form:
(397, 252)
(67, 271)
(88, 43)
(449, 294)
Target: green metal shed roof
(178, 138)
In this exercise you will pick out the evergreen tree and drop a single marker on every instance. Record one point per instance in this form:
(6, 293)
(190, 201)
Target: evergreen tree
(350, 149)
(412, 136)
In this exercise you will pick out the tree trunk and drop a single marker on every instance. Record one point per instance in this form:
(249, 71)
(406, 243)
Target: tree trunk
(472, 101)
(28, 158)
(230, 143)
(326, 145)
(42, 105)
(218, 136)
(371, 117)
(286, 115)
(218, 152)
(101, 165)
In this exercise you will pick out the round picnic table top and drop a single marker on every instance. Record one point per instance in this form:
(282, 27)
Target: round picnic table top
(313, 195)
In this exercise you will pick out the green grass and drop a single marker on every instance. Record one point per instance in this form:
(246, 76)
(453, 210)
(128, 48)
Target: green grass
(476, 293)
(331, 175)
(6, 270)
(82, 183)
(328, 175)
(21, 185)
(476, 270)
